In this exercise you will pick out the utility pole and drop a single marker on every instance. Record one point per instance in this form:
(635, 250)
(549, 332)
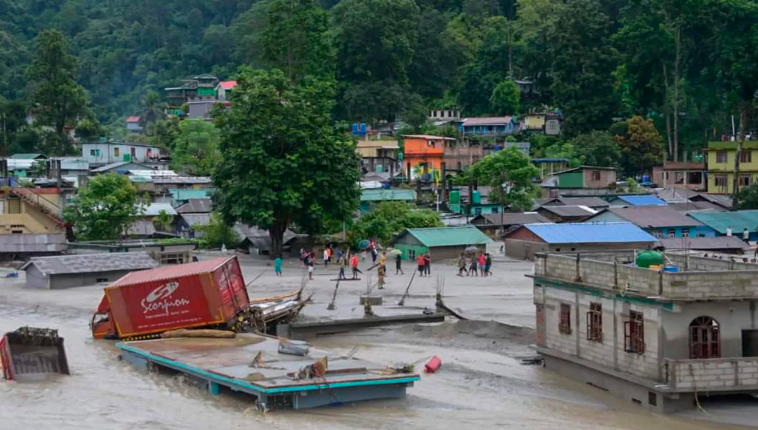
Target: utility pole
(5, 136)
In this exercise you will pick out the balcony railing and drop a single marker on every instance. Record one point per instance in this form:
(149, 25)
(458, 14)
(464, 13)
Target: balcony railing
(713, 374)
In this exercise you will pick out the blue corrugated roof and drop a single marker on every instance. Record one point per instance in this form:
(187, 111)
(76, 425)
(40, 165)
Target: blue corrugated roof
(611, 232)
(643, 200)
(738, 220)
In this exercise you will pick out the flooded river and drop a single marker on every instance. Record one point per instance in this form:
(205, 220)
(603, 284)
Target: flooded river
(481, 385)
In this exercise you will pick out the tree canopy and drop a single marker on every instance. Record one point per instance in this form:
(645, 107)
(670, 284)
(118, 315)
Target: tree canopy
(195, 148)
(105, 209)
(290, 166)
(510, 173)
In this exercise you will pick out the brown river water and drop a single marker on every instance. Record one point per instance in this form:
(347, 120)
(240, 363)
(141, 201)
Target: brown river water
(480, 386)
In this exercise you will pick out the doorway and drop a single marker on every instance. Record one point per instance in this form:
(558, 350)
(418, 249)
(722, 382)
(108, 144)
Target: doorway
(704, 338)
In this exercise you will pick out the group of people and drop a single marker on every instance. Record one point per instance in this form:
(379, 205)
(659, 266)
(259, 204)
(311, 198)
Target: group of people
(745, 234)
(477, 264)
(424, 262)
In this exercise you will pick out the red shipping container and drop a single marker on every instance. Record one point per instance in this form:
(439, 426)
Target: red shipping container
(202, 294)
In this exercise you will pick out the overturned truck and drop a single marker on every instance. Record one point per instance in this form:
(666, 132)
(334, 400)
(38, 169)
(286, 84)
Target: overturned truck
(205, 294)
(30, 353)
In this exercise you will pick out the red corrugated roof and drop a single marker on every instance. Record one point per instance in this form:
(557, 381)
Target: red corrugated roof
(170, 272)
(228, 85)
(132, 119)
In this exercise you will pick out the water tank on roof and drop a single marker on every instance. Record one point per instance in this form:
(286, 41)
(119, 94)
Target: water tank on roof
(455, 196)
(476, 198)
(648, 258)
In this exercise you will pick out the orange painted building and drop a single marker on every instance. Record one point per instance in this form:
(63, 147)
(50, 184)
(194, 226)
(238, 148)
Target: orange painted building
(423, 154)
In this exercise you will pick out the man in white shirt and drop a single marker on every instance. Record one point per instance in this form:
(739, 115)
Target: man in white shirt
(729, 231)
(746, 235)
(326, 257)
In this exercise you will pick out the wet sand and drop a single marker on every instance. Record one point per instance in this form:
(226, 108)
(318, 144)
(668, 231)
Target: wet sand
(481, 384)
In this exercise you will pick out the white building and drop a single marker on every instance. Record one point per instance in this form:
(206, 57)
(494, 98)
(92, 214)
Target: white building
(100, 153)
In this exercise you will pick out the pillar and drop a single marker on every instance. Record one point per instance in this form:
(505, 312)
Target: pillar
(443, 174)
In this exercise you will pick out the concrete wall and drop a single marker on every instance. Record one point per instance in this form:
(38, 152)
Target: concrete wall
(714, 374)
(35, 278)
(607, 177)
(82, 279)
(610, 352)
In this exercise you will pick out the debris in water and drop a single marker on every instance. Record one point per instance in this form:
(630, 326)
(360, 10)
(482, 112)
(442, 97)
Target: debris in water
(29, 352)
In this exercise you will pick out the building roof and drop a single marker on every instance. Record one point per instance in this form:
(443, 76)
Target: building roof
(170, 272)
(549, 160)
(182, 194)
(448, 236)
(509, 218)
(676, 195)
(653, 216)
(590, 202)
(183, 180)
(227, 85)
(116, 165)
(426, 136)
(156, 207)
(381, 194)
(196, 219)
(26, 156)
(195, 206)
(141, 227)
(570, 211)
(610, 232)
(723, 201)
(704, 243)
(260, 237)
(91, 263)
(696, 206)
(144, 145)
(738, 220)
(642, 200)
(583, 168)
(489, 120)
(133, 119)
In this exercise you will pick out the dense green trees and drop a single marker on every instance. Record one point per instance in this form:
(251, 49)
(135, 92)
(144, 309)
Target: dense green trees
(195, 150)
(687, 65)
(510, 174)
(390, 218)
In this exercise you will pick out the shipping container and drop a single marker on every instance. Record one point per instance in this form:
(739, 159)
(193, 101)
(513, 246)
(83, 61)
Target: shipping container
(208, 293)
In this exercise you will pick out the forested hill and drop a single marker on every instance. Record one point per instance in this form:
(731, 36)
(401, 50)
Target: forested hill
(687, 64)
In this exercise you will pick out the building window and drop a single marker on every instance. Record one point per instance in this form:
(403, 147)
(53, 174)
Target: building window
(99, 280)
(595, 175)
(565, 324)
(115, 152)
(695, 178)
(671, 233)
(92, 152)
(477, 211)
(721, 157)
(595, 322)
(17, 232)
(685, 232)
(745, 180)
(721, 181)
(746, 156)
(634, 333)
(704, 338)
(495, 210)
(656, 233)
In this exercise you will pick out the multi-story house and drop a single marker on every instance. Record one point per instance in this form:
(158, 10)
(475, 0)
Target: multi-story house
(721, 166)
(657, 338)
(423, 155)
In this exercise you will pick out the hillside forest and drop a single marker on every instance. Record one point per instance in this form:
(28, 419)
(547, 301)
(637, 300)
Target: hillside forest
(688, 66)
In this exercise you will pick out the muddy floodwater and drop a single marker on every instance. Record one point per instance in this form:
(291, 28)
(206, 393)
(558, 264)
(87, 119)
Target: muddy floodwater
(481, 384)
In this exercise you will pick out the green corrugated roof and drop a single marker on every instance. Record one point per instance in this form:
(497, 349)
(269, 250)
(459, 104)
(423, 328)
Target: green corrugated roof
(719, 221)
(25, 156)
(179, 194)
(387, 194)
(732, 145)
(449, 236)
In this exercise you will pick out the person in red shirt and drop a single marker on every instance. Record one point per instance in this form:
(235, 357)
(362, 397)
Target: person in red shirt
(421, 264)
(354, 265)
(482, 262)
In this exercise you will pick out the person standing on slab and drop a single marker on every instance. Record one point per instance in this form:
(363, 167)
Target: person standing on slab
(399, 265)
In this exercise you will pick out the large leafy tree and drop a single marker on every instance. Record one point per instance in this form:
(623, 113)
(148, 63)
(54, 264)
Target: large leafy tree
(510, 173)
(641, 146)
(505, 99)
(583, 65)
(153, 109)
(290, 165)
(196, 148)
(57, 95)
(105, 209)
(390, 218)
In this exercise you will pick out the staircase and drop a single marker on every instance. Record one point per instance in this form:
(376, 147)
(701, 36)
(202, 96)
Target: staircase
(50, 209)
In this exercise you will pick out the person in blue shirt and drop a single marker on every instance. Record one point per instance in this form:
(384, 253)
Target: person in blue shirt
(278, 266)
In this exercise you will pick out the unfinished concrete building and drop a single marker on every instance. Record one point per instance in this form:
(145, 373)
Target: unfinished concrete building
(655, 338)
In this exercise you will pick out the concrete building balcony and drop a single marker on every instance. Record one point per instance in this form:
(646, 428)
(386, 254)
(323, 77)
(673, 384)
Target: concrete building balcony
(698, 279)
(32, 243)
(710, 375)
